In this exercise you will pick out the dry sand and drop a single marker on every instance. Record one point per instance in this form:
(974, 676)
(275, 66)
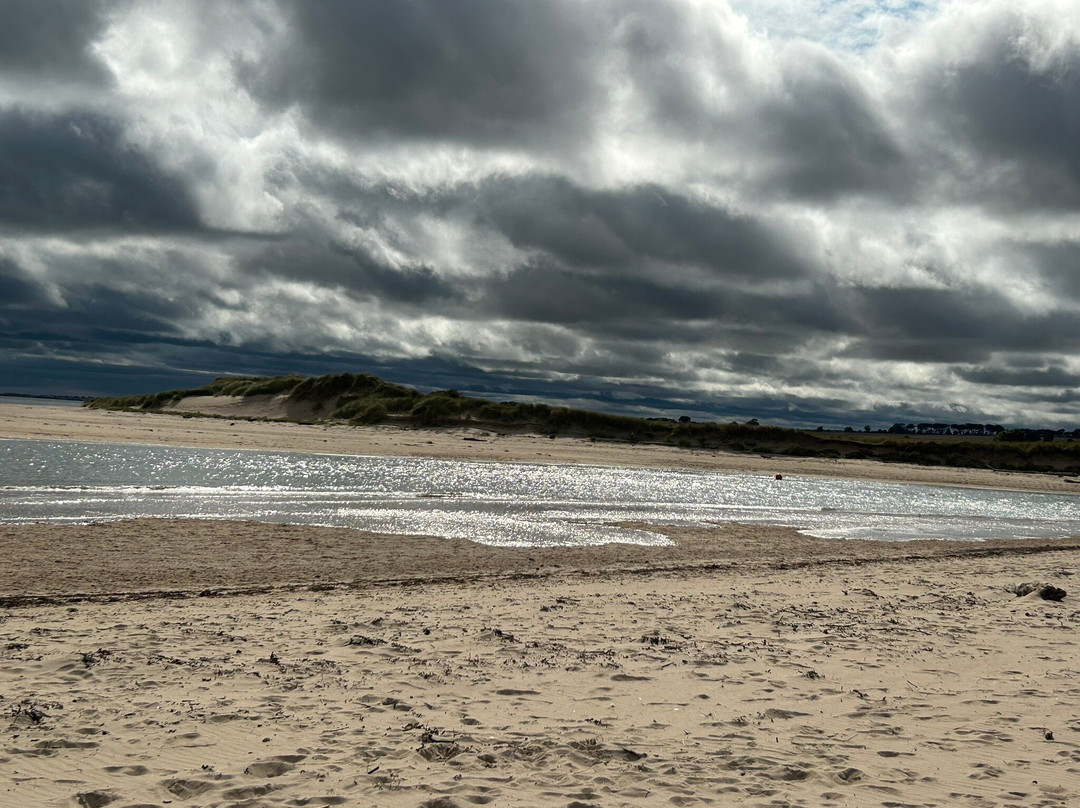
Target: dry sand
(217, 664)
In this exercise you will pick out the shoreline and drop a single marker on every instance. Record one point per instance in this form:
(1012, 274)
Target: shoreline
(178, 558)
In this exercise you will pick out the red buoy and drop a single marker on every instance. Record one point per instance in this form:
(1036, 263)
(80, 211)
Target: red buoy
(779, 476)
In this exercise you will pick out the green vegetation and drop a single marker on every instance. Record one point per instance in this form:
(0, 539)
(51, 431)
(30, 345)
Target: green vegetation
(366, 399)
(224, 386)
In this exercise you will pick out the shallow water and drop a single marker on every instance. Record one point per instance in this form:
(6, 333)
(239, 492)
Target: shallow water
(492, 503)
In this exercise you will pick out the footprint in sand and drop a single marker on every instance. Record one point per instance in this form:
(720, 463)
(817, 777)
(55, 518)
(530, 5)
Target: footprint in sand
(274, 767)
(776, 714)
(248, 792)
(790, 774)
(224, 718)
(95, 799)
(50, 747)
(985, 771)
(849, 776)
(134, 771)
(186, 789)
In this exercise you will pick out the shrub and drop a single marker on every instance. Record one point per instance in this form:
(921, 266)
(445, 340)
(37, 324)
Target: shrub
(1013, 436)
(437, 408)
(370, 414)
(272, 387)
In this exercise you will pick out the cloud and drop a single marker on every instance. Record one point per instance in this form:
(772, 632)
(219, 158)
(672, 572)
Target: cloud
(46, 40)
(474, 71)
(729, 209)
(845, 25)
(826, 135)
(351, 268)
(17, 291)
(1053, 263)
(1050, 376)
(74, 170)
(785, 119)
(995, 86)
(628, 227)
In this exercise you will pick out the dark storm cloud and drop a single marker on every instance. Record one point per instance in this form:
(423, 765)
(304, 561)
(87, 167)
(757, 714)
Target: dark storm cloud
(103, 314)
(121, 309)
(482, 70)
(932, 314)
(814, 130)
(1051, 376)
(74, 170)
(1043, 397)
(317, 257)
(605, 229)
(617, 228)
(630, 308)
(634, 261)
(825, 135)
(59, 363)
(47, 372)
(672, 60)
(640, 269)
(751, 362)
(16, 290)
(952, 325)
(51, 38)
(1013, 104)
(414, 285)
(930, 325)
(1057, 264)
(545, 293)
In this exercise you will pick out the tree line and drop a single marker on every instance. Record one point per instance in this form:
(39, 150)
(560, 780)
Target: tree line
(996, 431)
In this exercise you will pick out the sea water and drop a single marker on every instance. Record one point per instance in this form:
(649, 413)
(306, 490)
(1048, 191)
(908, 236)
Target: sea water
(508, 504)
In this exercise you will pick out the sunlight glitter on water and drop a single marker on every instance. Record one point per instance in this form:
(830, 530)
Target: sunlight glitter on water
(491, 503)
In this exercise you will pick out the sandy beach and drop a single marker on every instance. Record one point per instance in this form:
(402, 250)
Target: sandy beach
(171, 662)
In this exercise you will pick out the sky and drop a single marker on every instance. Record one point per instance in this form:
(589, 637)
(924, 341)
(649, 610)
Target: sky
(814, 213)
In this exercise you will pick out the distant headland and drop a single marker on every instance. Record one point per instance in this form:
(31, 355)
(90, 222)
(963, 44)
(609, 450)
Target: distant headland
(45, 396)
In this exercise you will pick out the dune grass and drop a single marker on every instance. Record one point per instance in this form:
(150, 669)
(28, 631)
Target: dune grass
(362, 399)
